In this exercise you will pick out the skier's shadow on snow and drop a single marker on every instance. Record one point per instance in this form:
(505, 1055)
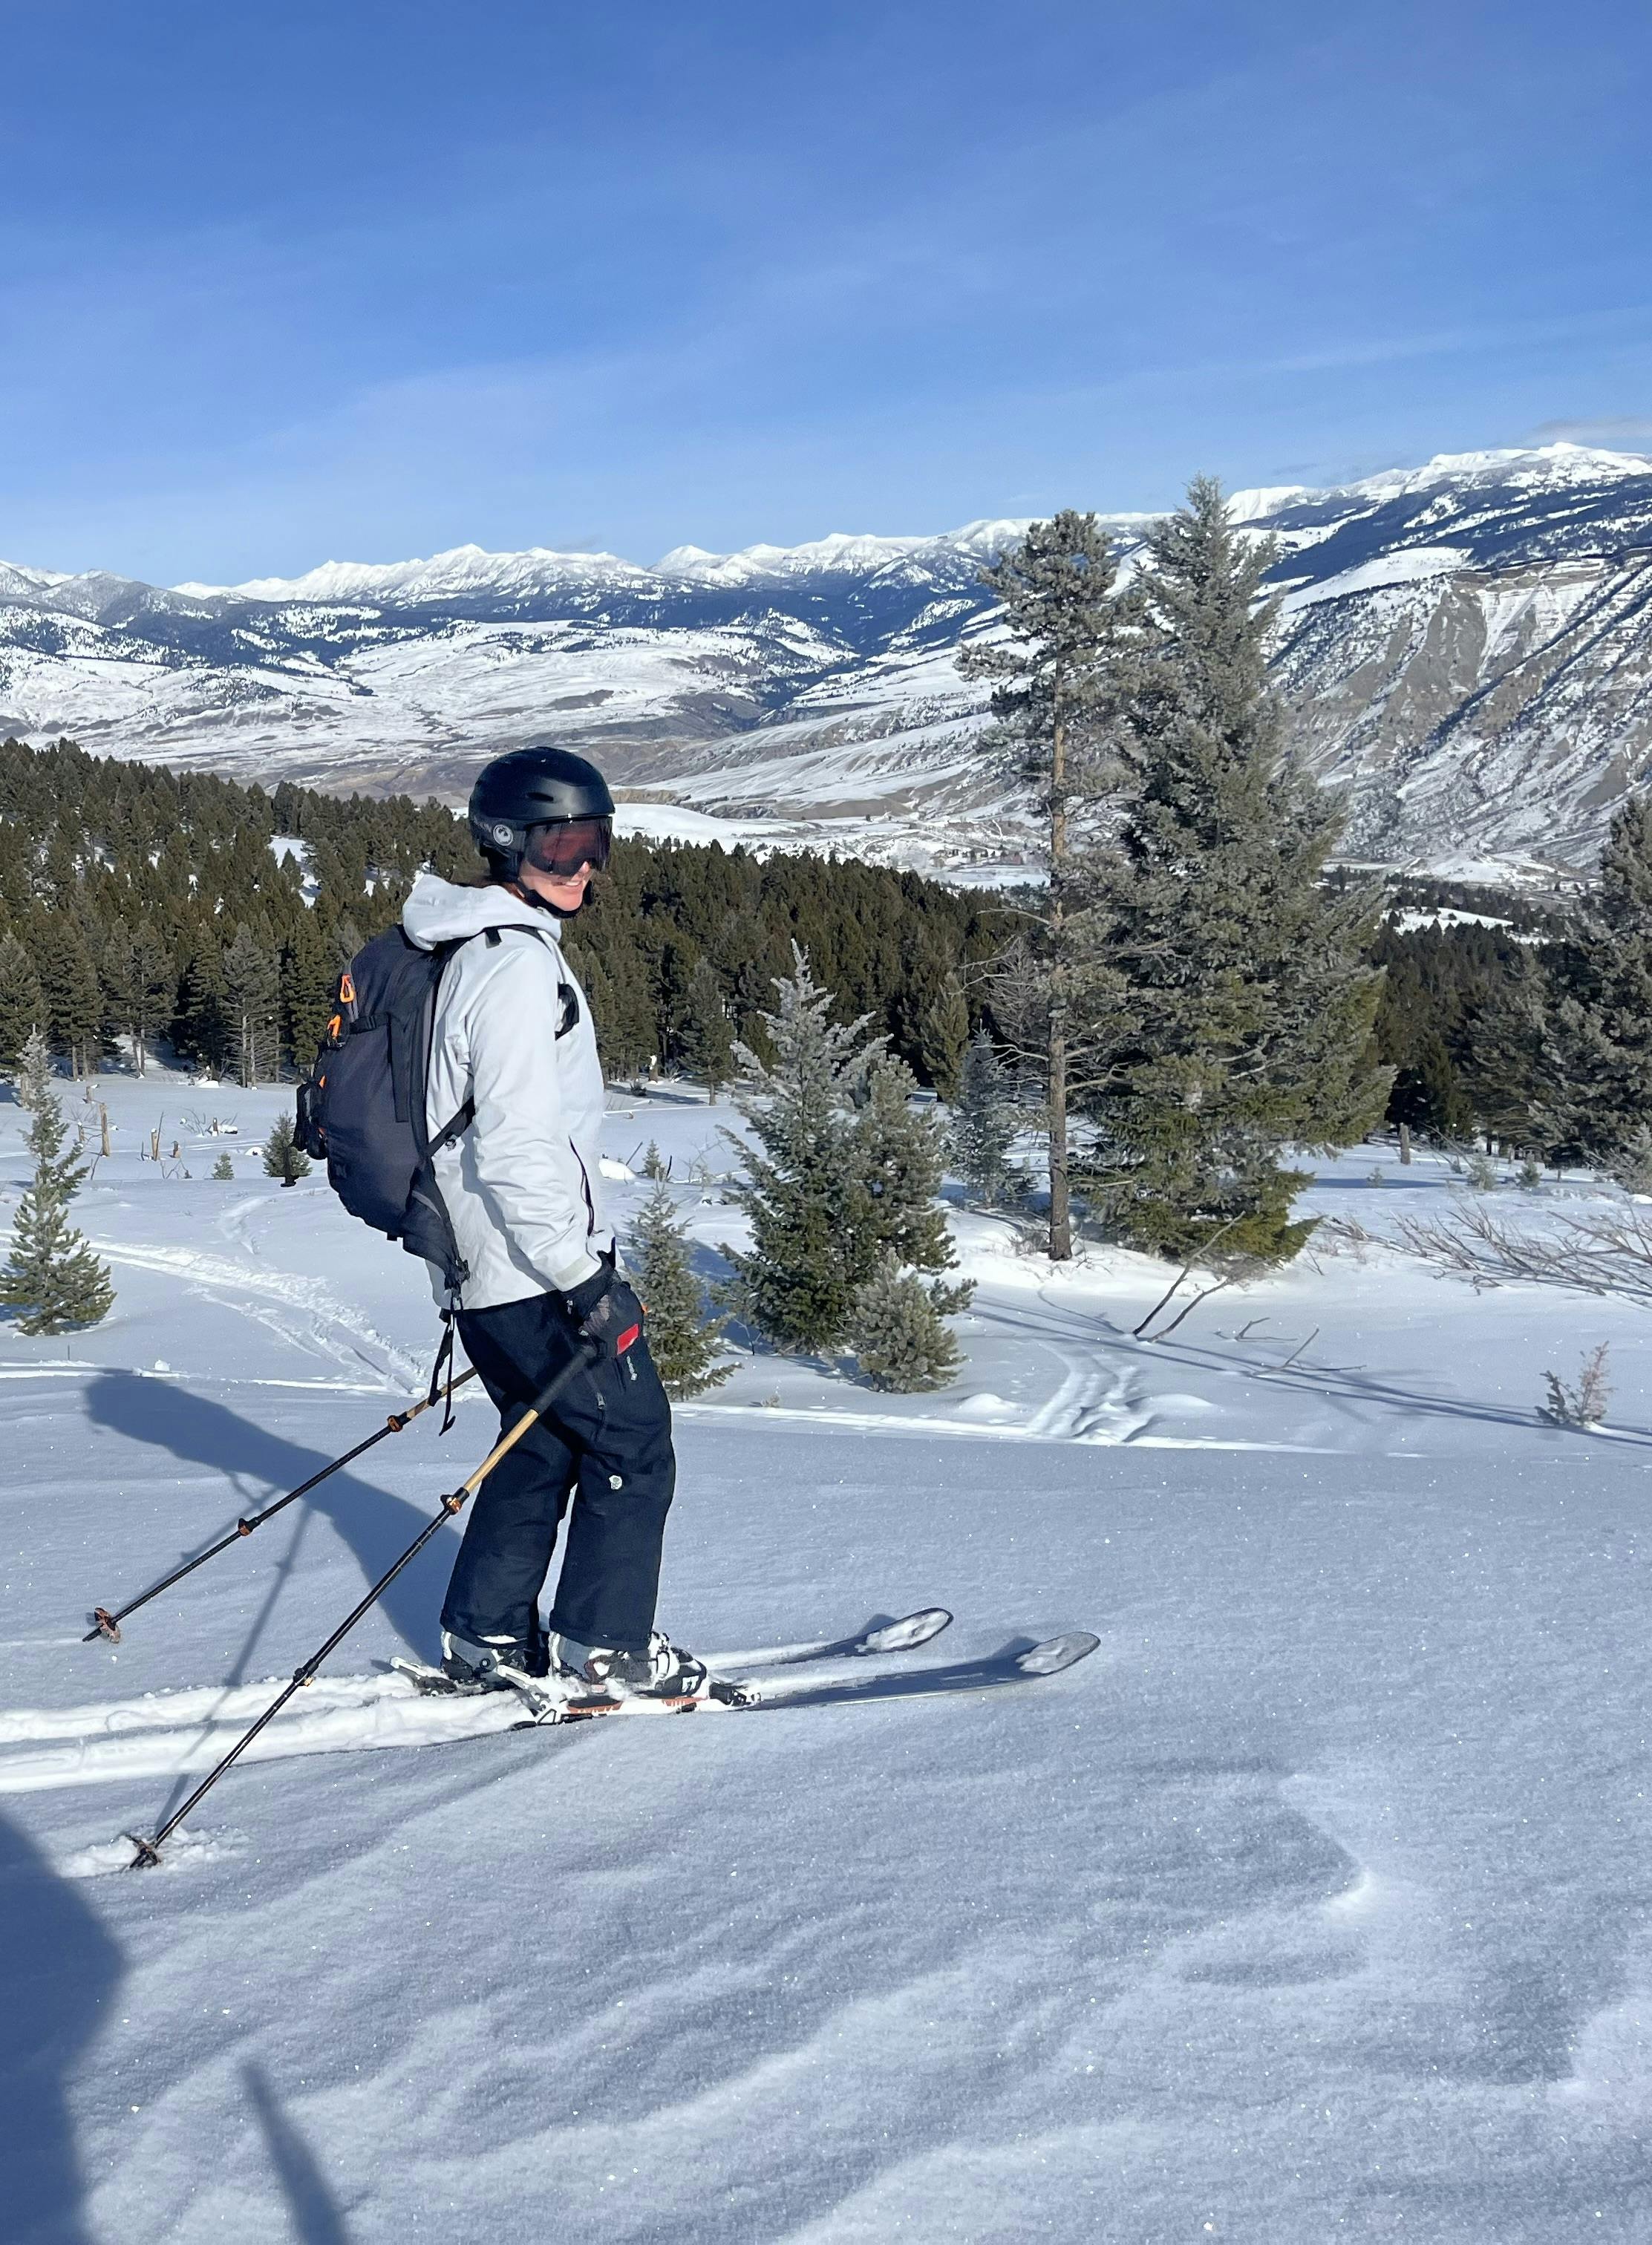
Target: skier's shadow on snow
(58, 1973)
(376, 1526)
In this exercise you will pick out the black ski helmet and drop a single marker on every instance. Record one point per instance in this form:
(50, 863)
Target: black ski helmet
(531, 787)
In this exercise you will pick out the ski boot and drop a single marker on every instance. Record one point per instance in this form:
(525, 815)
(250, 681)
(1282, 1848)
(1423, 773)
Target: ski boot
(662, 1671)
(507, 1664)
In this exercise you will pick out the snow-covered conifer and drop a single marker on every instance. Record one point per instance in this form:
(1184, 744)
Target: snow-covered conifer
(897, 1332)
(685, 1343)
(52, 1276)
(33, 1078)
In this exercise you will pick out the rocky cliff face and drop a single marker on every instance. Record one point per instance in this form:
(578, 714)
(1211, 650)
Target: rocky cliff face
(1465, 646)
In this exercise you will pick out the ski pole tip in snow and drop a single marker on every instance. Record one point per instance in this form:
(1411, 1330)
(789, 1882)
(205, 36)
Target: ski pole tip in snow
(104, 1625)
(148, 1854)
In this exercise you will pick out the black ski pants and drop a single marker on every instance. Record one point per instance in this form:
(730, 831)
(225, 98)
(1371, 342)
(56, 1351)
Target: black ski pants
(602, 1456)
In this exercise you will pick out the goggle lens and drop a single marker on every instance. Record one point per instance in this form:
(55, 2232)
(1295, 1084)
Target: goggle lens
(562, 848)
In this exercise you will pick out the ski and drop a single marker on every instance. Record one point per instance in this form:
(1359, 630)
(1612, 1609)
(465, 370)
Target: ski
(1024, 1664)
(878, 1639)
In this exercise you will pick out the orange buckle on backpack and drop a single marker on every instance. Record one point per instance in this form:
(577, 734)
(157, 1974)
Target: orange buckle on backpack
(346, 989)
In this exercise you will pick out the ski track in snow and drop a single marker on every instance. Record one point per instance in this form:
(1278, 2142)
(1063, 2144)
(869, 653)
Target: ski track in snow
(177, 1734)
(303, 1311)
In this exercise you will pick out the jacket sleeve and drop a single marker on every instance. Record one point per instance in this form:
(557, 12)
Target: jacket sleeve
(525, 1163)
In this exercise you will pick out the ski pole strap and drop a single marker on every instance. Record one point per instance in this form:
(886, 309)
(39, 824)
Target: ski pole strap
(444, 1359)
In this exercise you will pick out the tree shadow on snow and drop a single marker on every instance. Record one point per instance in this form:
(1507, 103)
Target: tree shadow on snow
(376, 1526)
(59, 1970)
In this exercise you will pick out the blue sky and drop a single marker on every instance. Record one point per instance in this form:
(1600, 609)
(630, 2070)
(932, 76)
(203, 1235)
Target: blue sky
(364, 280)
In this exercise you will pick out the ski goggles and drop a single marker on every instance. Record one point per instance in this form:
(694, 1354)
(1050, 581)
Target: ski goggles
(563, 846)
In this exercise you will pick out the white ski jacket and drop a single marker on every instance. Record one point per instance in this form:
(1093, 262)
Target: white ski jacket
(512, 1032)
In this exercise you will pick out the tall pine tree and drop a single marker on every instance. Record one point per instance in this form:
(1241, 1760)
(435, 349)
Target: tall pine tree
(22, 1007)
(1055, 668)
(1232, 1016)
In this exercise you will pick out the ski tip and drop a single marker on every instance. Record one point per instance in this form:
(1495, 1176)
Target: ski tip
(907, 1634)
(1057, 1652)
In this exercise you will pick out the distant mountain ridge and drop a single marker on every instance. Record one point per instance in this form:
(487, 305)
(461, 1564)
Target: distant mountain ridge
(1467, 645)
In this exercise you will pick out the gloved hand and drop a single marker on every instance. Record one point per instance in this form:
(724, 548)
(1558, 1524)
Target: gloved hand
(605, 1315)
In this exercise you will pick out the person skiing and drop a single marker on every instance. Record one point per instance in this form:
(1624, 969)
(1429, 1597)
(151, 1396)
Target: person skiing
(512, 1039)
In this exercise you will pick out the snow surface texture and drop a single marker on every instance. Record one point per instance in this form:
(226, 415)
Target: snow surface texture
(1464, 644)
(1314, 1905)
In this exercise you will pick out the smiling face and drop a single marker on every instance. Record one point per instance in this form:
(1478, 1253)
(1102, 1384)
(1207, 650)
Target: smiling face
(565, 895)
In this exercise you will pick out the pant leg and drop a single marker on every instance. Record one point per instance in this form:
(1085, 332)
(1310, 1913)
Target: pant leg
(621, 1420)
(609, 1436)
(511, 1530)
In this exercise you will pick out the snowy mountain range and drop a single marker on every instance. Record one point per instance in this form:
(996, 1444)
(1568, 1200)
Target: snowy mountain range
(1466, 645)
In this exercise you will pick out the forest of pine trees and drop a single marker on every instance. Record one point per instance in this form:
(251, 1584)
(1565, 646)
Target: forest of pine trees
(142, 908)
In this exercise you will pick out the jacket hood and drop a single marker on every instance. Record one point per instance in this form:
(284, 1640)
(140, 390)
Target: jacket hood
(441, 912)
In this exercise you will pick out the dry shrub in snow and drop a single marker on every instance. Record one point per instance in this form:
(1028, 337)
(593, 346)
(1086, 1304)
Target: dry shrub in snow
(1581, 1402)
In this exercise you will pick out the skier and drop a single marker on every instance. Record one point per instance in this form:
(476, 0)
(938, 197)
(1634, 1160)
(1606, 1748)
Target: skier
(511, 1033)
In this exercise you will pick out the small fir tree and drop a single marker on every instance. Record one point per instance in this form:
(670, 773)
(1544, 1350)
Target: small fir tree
(223, 1170)
(21, 1006)
(283, 1158)
(802, 1189)
(900, 1156)
(900, 1341)
(983, 1125)
(51, 1275)
(655, 1164)
(33, 1078)
(683, 1342)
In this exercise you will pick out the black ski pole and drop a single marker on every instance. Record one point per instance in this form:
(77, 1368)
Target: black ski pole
(107, 1624)
(149, 1850)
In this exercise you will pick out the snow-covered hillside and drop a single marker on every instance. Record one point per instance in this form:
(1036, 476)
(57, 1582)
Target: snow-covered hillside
(1465, 645)
(1313, 1905)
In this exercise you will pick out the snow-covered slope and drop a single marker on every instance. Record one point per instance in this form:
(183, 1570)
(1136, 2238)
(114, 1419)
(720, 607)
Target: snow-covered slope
(1466, 644)
(1313, 1907)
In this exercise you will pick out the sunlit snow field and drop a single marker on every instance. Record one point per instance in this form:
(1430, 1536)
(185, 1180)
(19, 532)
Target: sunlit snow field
(1314, 1905)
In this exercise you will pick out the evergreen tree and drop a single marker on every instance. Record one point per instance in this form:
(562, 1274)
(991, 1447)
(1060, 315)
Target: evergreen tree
(252, 985)
(1052, 703)
(223, 1170)
(51, 1275)
(22, 1007)
(69, 986)
(284, 1156)
(802, 1191)
(138, 986)
(1599, 1046)
(900, 1156)
(682, 1341)
(706, 1039)
(1234, 1014)
(33, 1077)
(983, 1125)
(309, 985)
(897, 1331)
